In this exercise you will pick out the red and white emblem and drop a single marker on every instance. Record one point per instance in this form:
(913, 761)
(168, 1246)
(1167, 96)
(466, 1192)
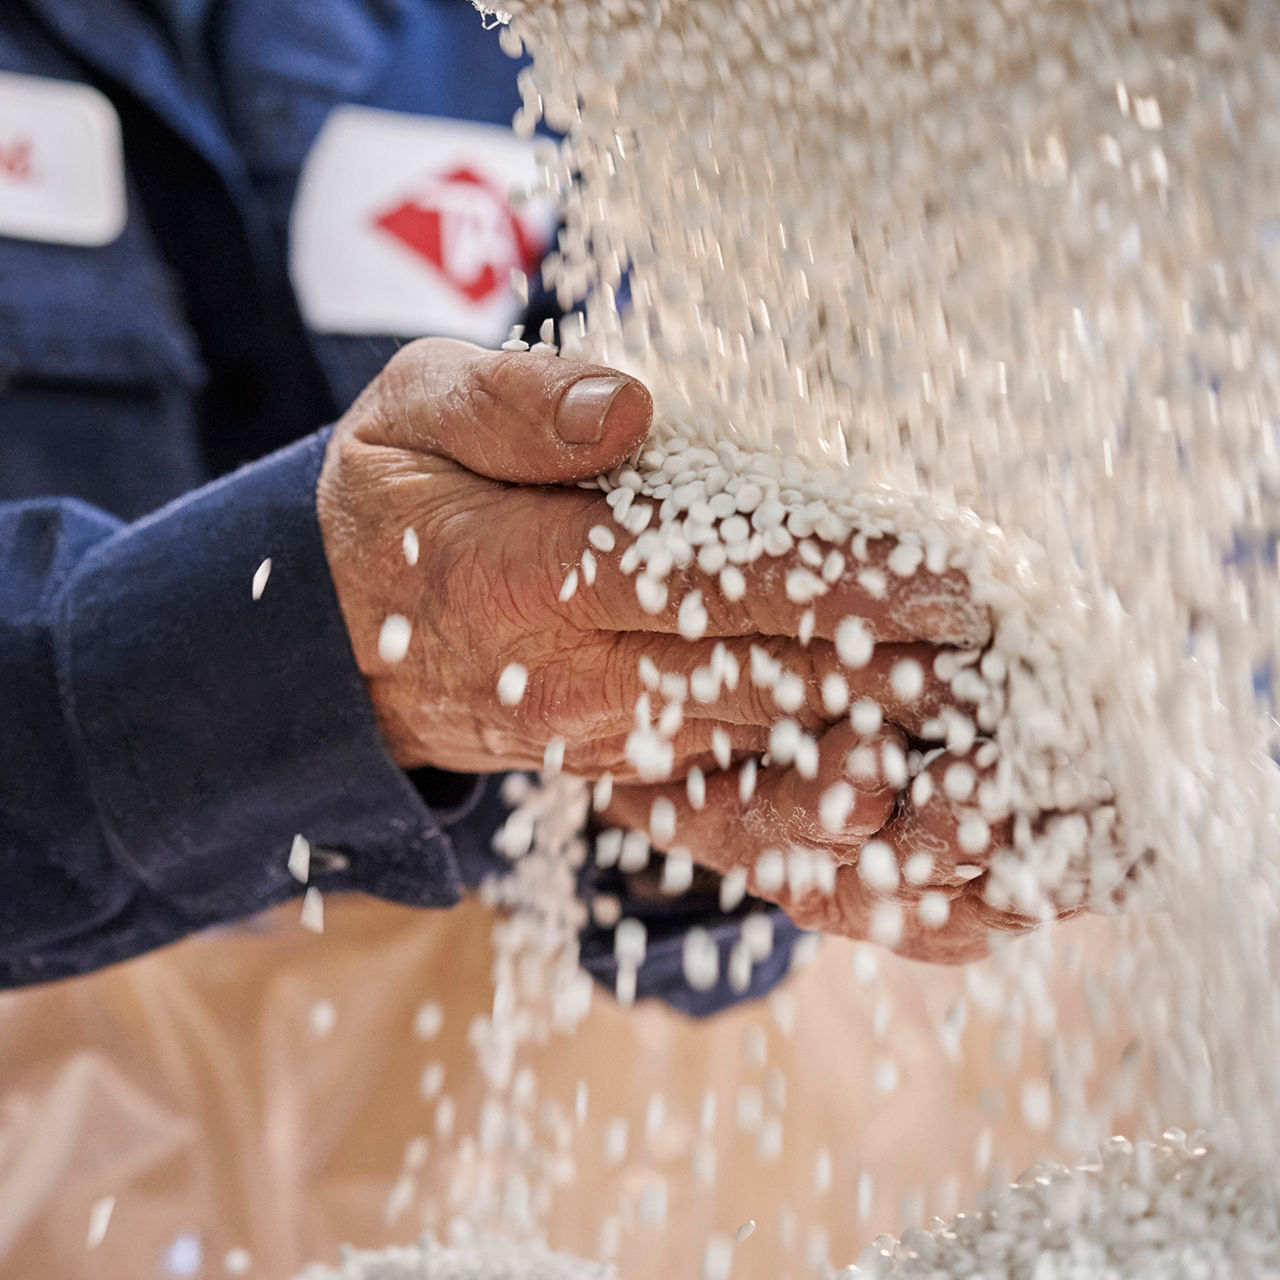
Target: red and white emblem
(463, 226)
(403, 225)
(61, 163)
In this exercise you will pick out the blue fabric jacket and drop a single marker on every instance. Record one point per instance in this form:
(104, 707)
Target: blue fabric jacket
(162, 735)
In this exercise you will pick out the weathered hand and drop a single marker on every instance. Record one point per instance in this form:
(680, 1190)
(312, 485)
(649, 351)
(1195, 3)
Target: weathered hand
(895, 869)
(470, 449)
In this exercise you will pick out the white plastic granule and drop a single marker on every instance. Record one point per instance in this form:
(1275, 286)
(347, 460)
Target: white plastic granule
(300, 859)
(99, 1221)
(878, 867)
(835, 694)
(485, 1259)
(615, 1140)
(553, 757)
(511, 684)
(907, 679)
(393, 638)
(700, 959)
(717, 1259)
(677, 873)
(312, 917)
(237, 1261)
(662, 820)
(428, 1020)
(431, 1081)
(866, 716)
(260, 576)
(409, 545)
(322, 1018)
(854, 643)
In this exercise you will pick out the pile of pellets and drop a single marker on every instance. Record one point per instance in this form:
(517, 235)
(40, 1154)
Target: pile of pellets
(1171, 1210)
(478, 1260)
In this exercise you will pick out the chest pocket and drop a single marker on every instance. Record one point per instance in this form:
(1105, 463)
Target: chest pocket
(99, 376)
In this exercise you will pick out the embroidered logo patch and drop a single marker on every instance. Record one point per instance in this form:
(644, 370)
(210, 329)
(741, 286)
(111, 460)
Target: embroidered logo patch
(403, 225)
(61, 162)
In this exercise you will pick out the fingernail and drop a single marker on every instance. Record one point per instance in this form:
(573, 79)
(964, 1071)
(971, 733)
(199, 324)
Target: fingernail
(583, 409)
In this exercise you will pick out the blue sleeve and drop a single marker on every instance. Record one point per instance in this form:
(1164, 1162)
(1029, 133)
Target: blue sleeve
(166, 735)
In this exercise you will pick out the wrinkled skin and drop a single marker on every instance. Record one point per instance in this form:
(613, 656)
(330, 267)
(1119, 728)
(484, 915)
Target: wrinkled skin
(460, 444)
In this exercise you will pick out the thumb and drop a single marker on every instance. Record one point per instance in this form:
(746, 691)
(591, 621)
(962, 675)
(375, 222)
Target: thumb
(520, 417)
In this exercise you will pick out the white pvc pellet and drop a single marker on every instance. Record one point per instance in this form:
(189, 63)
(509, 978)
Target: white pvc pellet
(677, 873)
(887, 924)
(877, 866)
(428, 1020)
(602, 792)
(733, 586)
(696, 788)
(934, 909)
(717, 1259)
(602, 538)
(733, 888)
(606, 910)
(884, 1076)
(511, 684)
(260, 576)
(322, 1018)
(907, 679)
(431, 1081)
(630, 942)
(312, 917)
(854, 643)
(866, 716)
(788, 691)
(692, 616)
(652, 594)
(905, 559)
(973, 835)
(662, 820)
(835, 806)
(959, 781)
(236, 1262)
(835, 694)
(99, 1221)
(771, 871)
(553, 757)
(701, 960)
(409, 547)
(300, 859)
(393, 638)
(918, 868)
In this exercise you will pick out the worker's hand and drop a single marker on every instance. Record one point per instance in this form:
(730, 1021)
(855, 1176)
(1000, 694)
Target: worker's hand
(469, 449)
(904, 866)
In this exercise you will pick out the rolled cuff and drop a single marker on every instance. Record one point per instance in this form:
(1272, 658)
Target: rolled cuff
(216, 727)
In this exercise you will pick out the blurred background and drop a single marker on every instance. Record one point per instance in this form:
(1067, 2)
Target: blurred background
(251, 1099)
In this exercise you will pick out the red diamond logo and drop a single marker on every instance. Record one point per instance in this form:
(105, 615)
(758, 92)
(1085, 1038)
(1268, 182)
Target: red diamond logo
(463, 226)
